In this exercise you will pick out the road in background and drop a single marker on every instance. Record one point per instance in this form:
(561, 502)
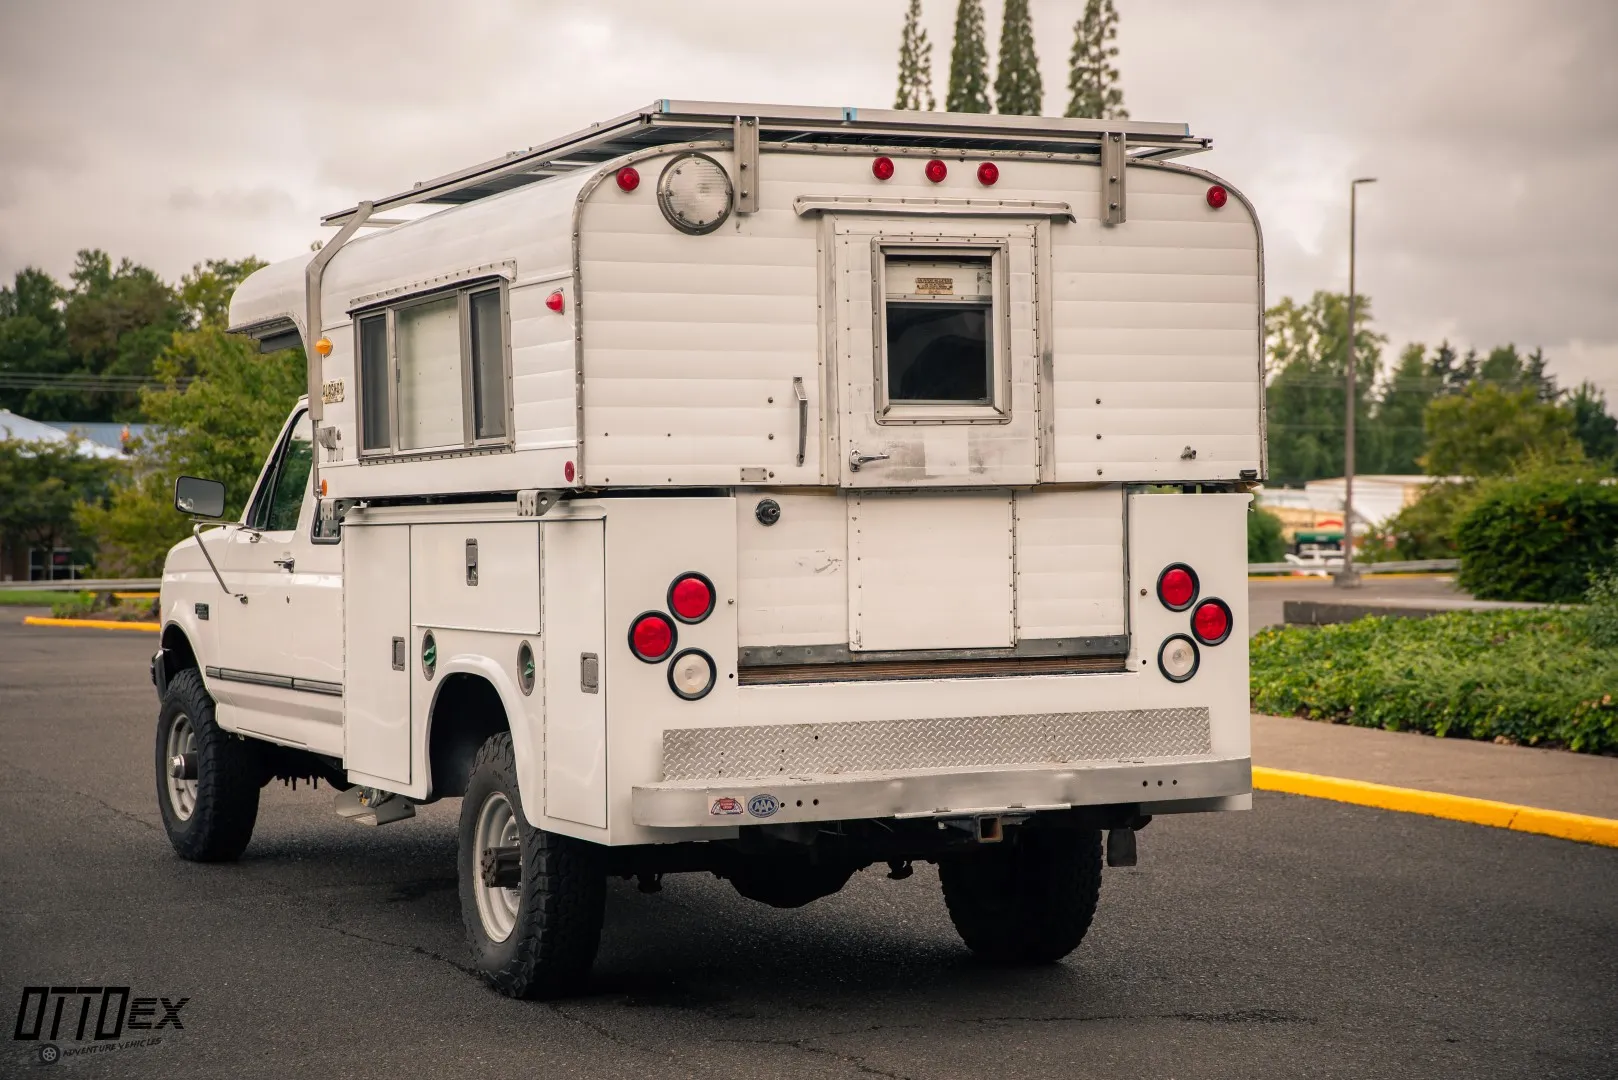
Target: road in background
(1265, 596)
(1305, 938)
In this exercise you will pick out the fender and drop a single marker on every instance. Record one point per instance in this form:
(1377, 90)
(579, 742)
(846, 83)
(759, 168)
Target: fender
(526, 744)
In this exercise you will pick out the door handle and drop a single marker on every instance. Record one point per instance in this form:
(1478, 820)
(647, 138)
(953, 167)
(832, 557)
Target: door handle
(285, 562)
(803, 414)
(856, 459)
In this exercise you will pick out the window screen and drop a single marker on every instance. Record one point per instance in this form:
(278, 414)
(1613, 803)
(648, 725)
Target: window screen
(375, 429)
(429, 343)
(939, 331)
(488, 366)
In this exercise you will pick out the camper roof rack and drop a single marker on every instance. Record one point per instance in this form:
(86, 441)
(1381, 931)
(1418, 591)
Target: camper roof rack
(665, 122)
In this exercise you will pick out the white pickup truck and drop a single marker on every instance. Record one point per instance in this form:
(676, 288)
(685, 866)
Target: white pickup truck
(766, 491)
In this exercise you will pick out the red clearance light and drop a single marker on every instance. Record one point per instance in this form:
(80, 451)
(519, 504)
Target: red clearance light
(988, 173)
(556, 301)
(936, 171)
(1211, 622)
(568, 472)
(628, 178)
(651, 637)
(1217, 196)
(1177, 586)
(882, 168)
(691, 597)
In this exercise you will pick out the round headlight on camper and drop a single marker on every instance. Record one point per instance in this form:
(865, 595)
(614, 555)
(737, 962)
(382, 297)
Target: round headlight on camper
(694, 193)
(692, 674)
(1177, 658)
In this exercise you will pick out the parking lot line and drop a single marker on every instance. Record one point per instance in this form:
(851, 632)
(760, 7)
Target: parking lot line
(1500, 815)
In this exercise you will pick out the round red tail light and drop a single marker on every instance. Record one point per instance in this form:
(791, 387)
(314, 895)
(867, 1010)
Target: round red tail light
(1217, 195)
(1211, 622)
(628, 178)
(936, 171)
(1177, 586)
(691, 597)
(882, 168)
(988, 173)
(651, 637)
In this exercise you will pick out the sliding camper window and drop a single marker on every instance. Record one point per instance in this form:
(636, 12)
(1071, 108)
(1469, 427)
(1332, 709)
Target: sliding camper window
(433, 372)
(939, 357)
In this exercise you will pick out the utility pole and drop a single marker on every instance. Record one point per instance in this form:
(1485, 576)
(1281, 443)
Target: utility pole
(1348, 577)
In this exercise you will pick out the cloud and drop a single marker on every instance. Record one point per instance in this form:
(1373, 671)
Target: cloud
(175, 130)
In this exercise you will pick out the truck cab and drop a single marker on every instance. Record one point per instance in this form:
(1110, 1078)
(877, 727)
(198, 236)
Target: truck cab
(768, 491)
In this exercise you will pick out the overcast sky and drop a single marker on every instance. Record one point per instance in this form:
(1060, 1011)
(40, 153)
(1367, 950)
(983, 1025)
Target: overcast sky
(170, 131)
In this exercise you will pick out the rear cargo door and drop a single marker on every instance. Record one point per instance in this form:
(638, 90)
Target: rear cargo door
(937, 358)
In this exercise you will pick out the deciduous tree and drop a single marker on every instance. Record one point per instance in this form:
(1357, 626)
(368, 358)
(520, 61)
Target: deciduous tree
(1488, 428)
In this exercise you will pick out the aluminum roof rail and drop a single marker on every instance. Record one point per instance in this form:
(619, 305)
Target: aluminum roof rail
(665, 122)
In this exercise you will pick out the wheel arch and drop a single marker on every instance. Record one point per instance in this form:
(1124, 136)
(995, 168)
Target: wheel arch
(475, 698)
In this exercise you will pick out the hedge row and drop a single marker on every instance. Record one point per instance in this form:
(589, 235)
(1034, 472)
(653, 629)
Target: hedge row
(1536, 677)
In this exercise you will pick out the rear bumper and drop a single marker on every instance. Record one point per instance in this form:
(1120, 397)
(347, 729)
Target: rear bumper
(940, 792)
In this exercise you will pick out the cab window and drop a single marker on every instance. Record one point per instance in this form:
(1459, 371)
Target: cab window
(280, 499)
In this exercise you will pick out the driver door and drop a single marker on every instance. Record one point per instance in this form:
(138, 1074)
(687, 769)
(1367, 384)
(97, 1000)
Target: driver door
(280, 673)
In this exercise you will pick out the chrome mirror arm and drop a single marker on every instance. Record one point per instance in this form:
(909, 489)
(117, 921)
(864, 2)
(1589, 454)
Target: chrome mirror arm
(196, 531)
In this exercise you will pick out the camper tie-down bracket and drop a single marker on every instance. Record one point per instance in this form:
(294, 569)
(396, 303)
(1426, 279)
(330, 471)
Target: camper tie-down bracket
(1114, 157)
(534, 502)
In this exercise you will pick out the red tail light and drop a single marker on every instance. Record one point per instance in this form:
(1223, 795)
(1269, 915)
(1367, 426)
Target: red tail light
(651, 637)
(882, 168)
(1177, 587)
(691, 597)
(1211, 622)
(936, 171)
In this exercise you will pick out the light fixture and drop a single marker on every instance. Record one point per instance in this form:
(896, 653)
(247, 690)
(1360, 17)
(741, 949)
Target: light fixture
(694, 193)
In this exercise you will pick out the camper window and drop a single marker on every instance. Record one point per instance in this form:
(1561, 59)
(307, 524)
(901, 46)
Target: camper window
(938, 341)
(432, 372)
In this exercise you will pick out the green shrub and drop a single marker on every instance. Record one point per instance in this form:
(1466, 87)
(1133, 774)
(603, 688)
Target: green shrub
(1532, 677)
(1264, 540)
(1539, 535)
(1601, 612)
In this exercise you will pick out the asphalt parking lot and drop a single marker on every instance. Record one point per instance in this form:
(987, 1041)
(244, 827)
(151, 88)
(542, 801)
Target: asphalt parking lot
(1303, 939)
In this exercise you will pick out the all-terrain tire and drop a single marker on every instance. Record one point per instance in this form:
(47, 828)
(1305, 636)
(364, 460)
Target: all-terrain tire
(229, 775)
(560, 898)
(1027, 901)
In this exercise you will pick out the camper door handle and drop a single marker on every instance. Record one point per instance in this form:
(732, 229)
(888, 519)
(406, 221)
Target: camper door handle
(803, 414)
(856, 459)
(285, 562)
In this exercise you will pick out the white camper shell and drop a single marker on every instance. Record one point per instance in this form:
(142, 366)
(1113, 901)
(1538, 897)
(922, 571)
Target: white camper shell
(761, 490)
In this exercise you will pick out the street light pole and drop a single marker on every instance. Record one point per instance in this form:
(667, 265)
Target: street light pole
(1348, 577)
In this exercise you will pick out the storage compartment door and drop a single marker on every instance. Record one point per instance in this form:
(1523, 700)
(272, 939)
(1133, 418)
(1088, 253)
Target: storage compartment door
(573, 611)
(930, 571)
(937, 352)
(378, 650)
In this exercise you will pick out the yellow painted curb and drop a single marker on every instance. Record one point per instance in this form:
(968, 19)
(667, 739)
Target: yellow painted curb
(135, 595)
(1500, 815)
(93, 624)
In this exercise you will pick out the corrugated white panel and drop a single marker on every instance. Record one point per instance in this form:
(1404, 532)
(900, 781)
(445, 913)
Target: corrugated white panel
(542, 367)
(691, 344)
(1070, 563)
(792, 577)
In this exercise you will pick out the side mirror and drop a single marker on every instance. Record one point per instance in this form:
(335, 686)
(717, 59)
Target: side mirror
(198, 497)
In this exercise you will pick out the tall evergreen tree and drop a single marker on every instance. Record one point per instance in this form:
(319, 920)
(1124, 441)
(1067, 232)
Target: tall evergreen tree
(915, 64)
(969, 62)
(1017, 86)
(1092, 80)
(1395, 435)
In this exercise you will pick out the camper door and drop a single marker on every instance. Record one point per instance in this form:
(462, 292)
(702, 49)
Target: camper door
(937, 356)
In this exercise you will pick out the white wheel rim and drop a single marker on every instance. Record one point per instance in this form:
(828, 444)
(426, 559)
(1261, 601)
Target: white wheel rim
(182, 793)
(497, 827)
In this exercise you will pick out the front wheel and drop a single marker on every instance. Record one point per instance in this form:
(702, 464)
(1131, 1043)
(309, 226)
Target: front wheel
(207, 779)
(1029, 900)
(532, 901)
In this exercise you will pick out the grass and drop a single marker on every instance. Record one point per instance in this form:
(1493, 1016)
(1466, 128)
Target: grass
(1538, 678)
(28, 598)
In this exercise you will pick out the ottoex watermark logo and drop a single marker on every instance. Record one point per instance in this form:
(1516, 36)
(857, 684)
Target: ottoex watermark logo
(76, 1021)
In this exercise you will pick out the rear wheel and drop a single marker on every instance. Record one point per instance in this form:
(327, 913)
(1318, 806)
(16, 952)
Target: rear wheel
(1029, 900)
(531, 900)
(207, 779)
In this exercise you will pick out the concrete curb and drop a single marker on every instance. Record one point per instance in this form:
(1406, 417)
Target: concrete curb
(92, 624)
(1500, 815)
